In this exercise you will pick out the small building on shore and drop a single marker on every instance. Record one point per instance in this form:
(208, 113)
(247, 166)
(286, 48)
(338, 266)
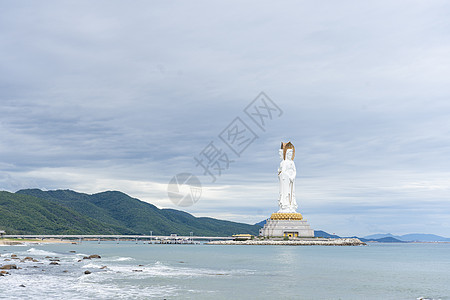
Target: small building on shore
(242, 237)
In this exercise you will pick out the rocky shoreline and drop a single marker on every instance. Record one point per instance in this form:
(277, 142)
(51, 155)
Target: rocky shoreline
(10, 243)
(14, 262)
(295, 242)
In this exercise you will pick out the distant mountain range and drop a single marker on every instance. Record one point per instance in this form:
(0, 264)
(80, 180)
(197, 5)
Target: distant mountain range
(34, 211)
(389, 238)
(412, 237)
(320, 233)
(383, 238)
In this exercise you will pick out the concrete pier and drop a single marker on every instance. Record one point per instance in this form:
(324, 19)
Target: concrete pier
(295, 242)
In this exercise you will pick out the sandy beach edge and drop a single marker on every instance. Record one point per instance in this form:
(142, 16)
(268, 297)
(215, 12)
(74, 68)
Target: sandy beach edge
(16, 242)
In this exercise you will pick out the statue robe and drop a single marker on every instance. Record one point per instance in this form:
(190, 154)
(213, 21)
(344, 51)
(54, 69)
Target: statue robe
(287, 173)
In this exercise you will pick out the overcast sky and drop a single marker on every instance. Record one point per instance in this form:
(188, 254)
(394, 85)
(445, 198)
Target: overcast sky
(118, 95)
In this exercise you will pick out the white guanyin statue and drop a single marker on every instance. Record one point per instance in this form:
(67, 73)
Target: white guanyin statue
(286, 176)
(286, 222)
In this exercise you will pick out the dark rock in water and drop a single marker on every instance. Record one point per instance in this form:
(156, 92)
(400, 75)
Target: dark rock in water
(87, 272)
(54, 259)
(140, 265)
(73, 251)
(86, 257)
(65, 271)
(73, 243)
(13, 255)
(48, 257)
(35, 260)
(137, 270)
(54, 263)
(21, 285)
(28, 258)
(79, 260)
(8, 267)
(7, 259)
(3, 272)
(94, 256)
(104, 267)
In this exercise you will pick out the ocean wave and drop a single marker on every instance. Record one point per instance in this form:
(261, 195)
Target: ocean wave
(19, 245)
(92, 265)
(159, 269)
(68, 287)
(35, 251)
(120, 258)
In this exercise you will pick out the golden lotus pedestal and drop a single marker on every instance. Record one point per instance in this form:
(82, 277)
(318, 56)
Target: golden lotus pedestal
(286, 224)
(286, 216)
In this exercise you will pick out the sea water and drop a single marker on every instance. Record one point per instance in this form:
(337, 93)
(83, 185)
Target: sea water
(143, 271)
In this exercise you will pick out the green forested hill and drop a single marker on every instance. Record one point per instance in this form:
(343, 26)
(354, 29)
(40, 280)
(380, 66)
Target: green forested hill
(65, 211)
(27, 214)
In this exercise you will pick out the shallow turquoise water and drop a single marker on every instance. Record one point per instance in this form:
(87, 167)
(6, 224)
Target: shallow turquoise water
(140, 271)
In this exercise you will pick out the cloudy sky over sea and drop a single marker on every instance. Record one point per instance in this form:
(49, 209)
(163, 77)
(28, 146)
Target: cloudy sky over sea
(112, 95)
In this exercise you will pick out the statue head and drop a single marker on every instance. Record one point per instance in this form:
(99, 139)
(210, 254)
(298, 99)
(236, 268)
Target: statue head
(288, 146)
(280, 152)
(289, 154)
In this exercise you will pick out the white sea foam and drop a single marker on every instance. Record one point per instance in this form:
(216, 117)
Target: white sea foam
(92, 265)
(161, 270)
(124, 258)
(20, 245)
(120, 258)
(61, 287)
(34, 251)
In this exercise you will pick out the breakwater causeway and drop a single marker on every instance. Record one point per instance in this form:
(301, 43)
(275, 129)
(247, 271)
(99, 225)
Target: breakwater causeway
(296, 242)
